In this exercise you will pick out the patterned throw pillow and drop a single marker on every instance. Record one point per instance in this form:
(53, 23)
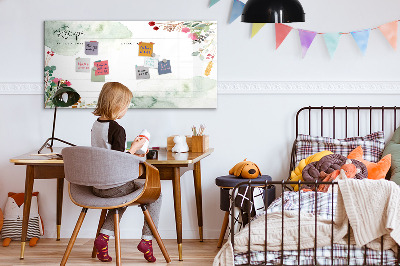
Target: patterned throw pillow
(372, 145)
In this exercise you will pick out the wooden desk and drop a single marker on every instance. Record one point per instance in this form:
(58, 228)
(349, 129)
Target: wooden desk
(171, 167)
(40, 167)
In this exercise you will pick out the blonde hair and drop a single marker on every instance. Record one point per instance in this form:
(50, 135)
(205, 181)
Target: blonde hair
(113, 98)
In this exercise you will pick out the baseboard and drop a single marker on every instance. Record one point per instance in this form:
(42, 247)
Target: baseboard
(260, 87)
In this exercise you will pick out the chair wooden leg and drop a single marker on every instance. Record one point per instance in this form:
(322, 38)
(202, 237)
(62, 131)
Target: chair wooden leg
(101, 222)
(117, 239)
(223, 229)
(154, 230)
(73, 237)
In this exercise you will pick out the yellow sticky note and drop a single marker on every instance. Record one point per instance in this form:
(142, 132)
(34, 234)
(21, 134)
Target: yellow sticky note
(145, 48)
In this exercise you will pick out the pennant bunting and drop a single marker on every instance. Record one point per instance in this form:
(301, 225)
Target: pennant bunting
(332, 41)
(255, 28)
(281, 31)
(306, 39)
(213, 2)
(237, 8)
(361, 37)
(389, 30)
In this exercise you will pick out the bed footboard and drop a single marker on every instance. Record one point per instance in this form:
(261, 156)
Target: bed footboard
(333, 259)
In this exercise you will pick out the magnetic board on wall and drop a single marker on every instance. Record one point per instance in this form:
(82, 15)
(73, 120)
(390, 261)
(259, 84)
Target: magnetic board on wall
(166, 64)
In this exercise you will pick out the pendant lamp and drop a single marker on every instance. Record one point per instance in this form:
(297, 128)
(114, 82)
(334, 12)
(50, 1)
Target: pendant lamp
(63, 97)
(272, 11)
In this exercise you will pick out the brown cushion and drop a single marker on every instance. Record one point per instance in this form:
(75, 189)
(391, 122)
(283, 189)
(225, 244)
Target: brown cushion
(328, 164)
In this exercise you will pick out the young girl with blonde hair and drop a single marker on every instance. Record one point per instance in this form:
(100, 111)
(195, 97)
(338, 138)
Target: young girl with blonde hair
(113, 103)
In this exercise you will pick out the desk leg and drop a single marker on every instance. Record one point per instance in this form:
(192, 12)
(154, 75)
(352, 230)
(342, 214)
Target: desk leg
(27, 206)
(176, 183)
(60, 190)
(199, 204)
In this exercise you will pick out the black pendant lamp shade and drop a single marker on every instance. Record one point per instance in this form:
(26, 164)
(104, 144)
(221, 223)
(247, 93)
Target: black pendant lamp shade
(273, 11)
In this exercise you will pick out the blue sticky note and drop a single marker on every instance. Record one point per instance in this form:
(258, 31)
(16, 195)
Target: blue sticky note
(164, 67)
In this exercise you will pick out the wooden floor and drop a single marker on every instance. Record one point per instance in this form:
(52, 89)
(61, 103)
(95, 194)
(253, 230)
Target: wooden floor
(50, 252)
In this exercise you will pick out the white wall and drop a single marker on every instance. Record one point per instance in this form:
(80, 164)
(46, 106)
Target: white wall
(259, 127)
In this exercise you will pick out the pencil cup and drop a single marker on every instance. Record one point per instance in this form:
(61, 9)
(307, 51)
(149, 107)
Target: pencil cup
(200, 143)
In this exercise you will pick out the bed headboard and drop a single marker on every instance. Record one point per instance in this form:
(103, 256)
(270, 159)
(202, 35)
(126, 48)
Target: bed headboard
(344, 121)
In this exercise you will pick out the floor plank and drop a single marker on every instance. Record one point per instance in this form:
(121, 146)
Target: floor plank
(50, 252)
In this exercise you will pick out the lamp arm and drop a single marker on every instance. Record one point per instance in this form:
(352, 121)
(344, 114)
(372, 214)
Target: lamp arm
(54, 126)
(51, 140)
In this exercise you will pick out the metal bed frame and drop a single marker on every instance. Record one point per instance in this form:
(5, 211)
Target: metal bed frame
(283, 184)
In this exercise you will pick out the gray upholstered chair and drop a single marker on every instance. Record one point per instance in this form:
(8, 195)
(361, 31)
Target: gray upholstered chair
(85, 167)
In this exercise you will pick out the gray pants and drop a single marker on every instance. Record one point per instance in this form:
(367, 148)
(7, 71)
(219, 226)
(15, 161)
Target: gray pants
(154, 208)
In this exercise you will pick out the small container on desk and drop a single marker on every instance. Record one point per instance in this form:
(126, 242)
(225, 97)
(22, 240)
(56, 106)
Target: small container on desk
(200, 143)
(152, 154)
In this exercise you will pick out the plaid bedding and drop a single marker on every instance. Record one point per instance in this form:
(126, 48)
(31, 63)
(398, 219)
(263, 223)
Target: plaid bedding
(372, 145)
(322, 207)
(306, 202)
(324, 257)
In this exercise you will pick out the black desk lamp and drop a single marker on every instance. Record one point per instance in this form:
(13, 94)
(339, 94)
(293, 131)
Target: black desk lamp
(63, 97)
(273, 11)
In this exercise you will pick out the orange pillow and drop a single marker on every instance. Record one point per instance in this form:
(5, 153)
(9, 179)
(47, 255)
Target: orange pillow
(375, 170)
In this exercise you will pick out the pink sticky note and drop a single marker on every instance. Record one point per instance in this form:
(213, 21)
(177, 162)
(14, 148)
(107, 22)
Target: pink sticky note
(101, 68)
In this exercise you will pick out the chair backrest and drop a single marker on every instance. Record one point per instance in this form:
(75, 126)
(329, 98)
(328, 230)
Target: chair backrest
(92, 166)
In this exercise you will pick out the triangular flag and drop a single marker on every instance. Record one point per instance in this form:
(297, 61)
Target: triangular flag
(255, 28)
(281, 31)
(213, 2)
(306, 39)
(361, 37)
(332, 41)
(390, 32)
(237, 9)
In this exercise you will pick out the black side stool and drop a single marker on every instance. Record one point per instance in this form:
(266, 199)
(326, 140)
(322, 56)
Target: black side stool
(228, 182)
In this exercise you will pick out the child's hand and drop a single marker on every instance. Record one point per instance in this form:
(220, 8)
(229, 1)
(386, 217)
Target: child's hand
(137, 144)
(142, 155)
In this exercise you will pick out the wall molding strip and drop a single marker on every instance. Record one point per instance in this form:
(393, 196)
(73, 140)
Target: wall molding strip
(309, 87)
(21, 88)
(260, 87)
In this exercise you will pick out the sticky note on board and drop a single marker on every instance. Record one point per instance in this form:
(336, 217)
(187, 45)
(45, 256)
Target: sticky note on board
(91, 48)
(82, 65)
(151, 62)
(145, 48)
(102, 68)
(142, 72)
(95, 78)
(164, 67)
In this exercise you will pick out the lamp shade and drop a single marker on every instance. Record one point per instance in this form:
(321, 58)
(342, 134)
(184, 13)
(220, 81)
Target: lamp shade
(65, 96)
(273, 11)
